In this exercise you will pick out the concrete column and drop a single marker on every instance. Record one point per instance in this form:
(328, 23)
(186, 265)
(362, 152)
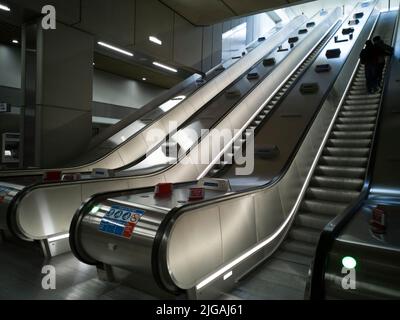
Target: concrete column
(58, 84)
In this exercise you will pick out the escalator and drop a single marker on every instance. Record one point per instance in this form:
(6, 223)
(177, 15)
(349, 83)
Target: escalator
(337, 181)
(251, 237)
(54, 203)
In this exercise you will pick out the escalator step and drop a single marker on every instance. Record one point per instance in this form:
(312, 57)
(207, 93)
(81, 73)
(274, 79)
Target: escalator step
(352, 134)
(332, 195)
(344, 161)
(283, 278)
(314, 221)
(323, 207)
(298, 247)
(360, 143)
(257, 289)
(343, 172)
(362, 101)
(359, 114)
(339, 183)
(362, 94)
(364, 120)
(286, 267)
(346, 152)
(303, 234)
(354, 127)
(293, 257)
(359, 108)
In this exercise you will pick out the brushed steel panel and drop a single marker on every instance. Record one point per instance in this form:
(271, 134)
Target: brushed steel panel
(238, 226)
(194, 246)
(46, 212)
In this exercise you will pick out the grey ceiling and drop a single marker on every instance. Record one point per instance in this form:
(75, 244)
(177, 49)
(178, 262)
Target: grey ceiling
(207, 12)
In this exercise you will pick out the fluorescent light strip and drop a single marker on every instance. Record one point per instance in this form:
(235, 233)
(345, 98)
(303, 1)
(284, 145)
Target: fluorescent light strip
(15, 41)
(60, 237)
(260, 246)
(4, 8)
(164, 67)
(155, 40)
(115, 48)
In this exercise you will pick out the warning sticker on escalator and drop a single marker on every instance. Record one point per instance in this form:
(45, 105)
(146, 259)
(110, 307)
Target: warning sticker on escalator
(121, 221)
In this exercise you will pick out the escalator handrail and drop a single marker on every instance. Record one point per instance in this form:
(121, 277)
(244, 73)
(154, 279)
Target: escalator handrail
(333, 229)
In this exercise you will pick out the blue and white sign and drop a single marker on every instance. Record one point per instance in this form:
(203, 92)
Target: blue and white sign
(121, 221)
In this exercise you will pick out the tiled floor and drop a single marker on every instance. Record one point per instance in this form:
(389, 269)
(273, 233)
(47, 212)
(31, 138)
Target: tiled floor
(21, 278)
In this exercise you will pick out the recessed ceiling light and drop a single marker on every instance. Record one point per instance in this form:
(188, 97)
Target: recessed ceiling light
(164, 67)
(103, 44)
(15, 41)
(155, 40)
(144, 79)
(4, 8)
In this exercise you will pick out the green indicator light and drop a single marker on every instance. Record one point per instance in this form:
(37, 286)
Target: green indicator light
(349, 262)
(95, 209)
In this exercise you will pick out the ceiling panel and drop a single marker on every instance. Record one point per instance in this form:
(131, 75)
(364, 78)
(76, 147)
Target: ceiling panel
(207, 12)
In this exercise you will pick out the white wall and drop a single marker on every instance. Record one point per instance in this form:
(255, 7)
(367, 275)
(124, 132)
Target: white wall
(115, 90)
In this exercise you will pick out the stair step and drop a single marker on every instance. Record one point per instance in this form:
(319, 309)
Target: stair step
(354, 127)
(352, 134)
(363, 120)
(339, 183)
(362, 95)
(307, 235)
(287, 267)
(312, 220)
(357, 143)
(344, 161)
(323, 207)
(298, 247)
(359, 114)
(332, 195)
(362, 101)
(293, 257)
(343, 172)
(346, 152)
(368, 107)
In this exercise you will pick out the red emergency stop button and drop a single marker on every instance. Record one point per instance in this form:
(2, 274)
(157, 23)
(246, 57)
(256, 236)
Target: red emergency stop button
(164, 190)
(196, 194)
(378, 221)
(52, 176)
